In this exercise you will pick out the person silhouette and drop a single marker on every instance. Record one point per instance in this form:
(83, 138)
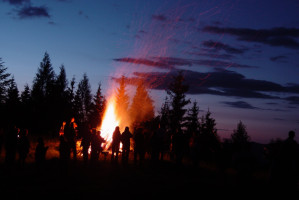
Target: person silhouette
(139, 149)
(70, 132)
(85, 142)
(285, 169)
(11, 140)
(115, 144)
(40, 152)
(23, 146)
(125, 139)
(64, 154)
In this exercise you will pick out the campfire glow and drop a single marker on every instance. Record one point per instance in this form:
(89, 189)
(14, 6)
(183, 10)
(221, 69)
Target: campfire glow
(109, 123)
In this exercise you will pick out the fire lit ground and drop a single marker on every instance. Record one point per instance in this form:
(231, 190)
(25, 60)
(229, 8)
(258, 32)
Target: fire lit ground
(106, 180)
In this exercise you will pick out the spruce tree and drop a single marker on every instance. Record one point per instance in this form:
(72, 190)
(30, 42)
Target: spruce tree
(83, 100)
(43, 98)
(240, 138)
(177, 93)
(98, 108)
(4, 82)
(142, 108)
(122, 103)
(13, 103)
(193, 120)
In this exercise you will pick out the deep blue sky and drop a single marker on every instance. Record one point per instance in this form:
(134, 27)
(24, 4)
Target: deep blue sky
(240, 57)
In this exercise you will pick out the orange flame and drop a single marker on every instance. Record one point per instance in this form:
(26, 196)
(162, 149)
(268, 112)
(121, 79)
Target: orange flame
(109, 122)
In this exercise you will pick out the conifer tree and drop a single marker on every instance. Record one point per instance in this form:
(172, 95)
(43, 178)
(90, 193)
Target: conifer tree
(142, 108)
(4, 82)
(13, 103)
(240, 137)
(177, 93)
(122, 103)
(193, 124)
(98, 108)
(83, 100)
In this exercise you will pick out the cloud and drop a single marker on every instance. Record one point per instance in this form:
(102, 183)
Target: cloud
(159, 17)
(240, 104)
(217, 46)
(280, 59)
(212, 55)
(284, 37)
(33, 11)
(81, 13)
(143, 61)
(221, 82)
(293, 100)
(16, 2)
(173, 62)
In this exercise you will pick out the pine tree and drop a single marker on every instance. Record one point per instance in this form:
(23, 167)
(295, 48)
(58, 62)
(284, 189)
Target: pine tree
(4, 82)
(240, 138)
(13, 102)
(193, 119)
(43, 98)
(122, 103)
(83, 100)
(98, 108)
(142, 108)
(26, 108)
(178, 101)
(44, 80)
(25, 95)
(209, 139)
(165, 115)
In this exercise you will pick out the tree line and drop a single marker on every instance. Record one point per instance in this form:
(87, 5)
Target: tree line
(52, 99)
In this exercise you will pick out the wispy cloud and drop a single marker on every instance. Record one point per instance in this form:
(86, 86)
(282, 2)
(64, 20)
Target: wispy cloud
(33, 12)
(16, 2)
(217, 46)
(173, 62)
(284, 37)
(221, 82)
(240, 104)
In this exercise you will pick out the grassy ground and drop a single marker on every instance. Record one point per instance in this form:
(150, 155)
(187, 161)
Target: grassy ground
(115, 181)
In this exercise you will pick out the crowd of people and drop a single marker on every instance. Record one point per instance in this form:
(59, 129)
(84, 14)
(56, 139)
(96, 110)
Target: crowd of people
(283, 159)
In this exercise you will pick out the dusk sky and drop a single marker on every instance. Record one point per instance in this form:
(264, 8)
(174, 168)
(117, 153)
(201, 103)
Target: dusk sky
(240, 58)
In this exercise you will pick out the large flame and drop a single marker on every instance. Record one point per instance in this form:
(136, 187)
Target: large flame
(109, 123)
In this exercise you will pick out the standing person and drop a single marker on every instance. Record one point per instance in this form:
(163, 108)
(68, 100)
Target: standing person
(64, 154)
(40, 152)
(96, 145)
(85, 143)
(125, 139)
(115, 144)
(139, 148)
(11, 139)
(70, 132)
(23, 146)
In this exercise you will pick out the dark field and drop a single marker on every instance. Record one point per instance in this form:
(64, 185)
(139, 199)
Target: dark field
(104, 179)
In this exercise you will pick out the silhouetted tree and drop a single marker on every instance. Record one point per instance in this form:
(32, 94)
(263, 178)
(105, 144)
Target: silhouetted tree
(165, 115)
(177, 93)
(192, 123)
(42, 96)
(98, 107)
(13, 102)
(142, 108)
(122, 102)
(83, 100)
(63, 107)
(209, 139)
(4, 83)
(240, 138)
(26, 108)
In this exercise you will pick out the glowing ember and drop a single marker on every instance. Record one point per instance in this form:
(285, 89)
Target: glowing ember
(109, 123)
